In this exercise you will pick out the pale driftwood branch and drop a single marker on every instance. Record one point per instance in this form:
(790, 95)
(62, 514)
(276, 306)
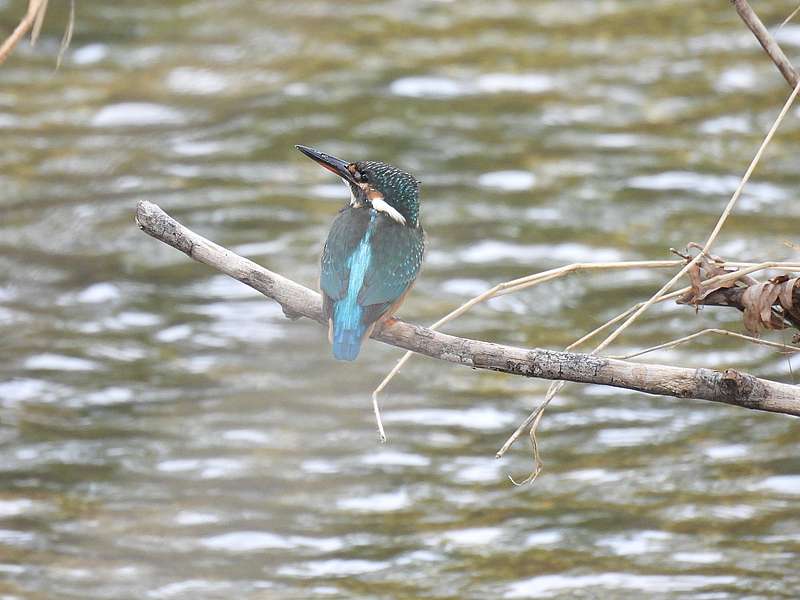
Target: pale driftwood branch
(728, 386)
(767, 42)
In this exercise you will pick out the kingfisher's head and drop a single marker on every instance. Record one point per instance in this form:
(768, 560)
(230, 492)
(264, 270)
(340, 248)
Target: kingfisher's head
(375, 184)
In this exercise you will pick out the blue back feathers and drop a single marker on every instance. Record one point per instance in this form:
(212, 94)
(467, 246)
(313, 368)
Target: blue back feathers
(368, 263)
(348, 326)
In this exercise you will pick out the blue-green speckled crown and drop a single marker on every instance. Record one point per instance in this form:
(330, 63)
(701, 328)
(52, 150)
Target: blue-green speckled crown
(400, 189)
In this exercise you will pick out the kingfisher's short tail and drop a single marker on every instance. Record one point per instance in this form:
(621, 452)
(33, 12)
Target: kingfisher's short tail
(347, 343)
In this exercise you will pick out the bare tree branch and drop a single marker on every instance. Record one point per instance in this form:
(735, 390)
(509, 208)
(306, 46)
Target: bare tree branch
(729, 386)
(766, 40)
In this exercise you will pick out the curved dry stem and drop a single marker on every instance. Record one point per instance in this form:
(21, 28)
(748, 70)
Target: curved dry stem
(725, 332)
(378, 420)
(532, 420)
(538, 465)
(67, 34)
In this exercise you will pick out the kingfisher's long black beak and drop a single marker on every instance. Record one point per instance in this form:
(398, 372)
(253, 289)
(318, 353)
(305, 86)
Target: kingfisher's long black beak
(337, 166)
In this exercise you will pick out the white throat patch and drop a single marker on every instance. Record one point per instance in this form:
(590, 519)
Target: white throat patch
(379, 204)
(353, 202)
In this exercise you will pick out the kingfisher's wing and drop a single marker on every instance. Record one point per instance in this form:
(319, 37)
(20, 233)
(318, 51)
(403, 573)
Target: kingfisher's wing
(396, 259)
(346, 233)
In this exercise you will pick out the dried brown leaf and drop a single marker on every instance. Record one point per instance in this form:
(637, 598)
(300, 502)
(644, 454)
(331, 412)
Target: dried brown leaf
(786, 297)
(768, 296)
(758, 301)
(705, 268)
(752, 323)
(691, 296)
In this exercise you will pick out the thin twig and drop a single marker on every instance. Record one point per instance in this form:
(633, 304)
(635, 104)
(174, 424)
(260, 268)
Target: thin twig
(67, 34)
(41, 9)
(787, 19)
(531, 421)
(538, 464)
(378, 420)
(34, 14)
(687, 338)
(33, 21)
(767, 42)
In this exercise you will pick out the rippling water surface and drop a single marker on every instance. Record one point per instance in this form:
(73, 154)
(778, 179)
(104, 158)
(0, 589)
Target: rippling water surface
(166, 433)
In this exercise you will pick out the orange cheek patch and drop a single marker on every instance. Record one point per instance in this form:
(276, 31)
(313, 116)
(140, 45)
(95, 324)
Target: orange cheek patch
(372, 193)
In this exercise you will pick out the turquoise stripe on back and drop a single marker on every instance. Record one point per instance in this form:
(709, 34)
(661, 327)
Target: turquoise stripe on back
(347, 326)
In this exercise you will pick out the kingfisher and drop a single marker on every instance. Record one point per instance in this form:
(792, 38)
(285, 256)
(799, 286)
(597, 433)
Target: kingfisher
(373, 252)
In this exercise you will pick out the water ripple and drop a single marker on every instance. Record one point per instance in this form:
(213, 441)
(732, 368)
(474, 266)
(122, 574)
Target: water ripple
(137, 114)
(549, 585)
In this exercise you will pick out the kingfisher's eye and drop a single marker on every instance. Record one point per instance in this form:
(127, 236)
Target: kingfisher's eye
(364, 177)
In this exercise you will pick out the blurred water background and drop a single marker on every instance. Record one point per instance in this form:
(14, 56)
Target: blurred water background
(167, 434)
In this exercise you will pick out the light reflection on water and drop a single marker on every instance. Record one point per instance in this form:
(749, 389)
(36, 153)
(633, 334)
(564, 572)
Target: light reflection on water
(168, 434)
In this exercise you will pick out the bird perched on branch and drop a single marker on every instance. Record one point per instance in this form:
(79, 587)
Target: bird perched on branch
(373, 252)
